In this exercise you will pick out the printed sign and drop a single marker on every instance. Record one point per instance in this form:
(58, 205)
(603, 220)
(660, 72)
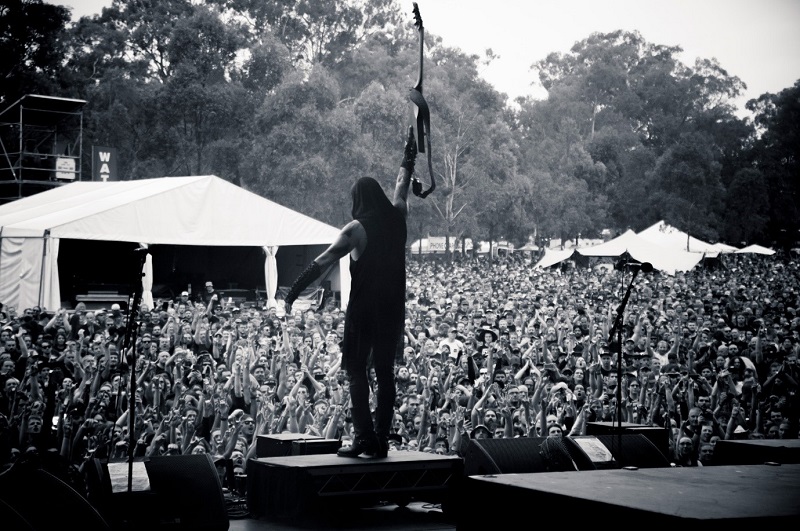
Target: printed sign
(104, 164)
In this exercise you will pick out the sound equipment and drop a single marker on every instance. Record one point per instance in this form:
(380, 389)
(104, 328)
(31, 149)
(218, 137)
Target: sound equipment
(300, 487)
(596, 451)
(757, 452)
(33, 499)
(523, 454)
(657, 435)
(634, 449)
(283, 444)
(192, 486)
(313, 446)
(176, 492)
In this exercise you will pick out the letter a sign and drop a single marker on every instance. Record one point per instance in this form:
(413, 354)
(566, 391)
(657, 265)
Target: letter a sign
(104, 164)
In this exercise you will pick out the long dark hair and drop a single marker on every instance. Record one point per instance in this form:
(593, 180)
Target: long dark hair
(369, 199)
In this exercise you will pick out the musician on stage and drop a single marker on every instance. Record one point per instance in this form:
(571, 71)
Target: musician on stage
(375, 317)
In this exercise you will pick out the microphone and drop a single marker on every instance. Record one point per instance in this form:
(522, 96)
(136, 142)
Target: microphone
(141, 250)
(644, 267)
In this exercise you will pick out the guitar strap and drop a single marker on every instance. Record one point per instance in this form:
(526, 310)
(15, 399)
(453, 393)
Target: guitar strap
(422, 113)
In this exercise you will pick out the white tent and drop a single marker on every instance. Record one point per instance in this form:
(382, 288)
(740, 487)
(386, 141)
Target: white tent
(438, 244)
(756, 249)
(725, 248)
(554, 256)
(663, 258)
(200, 211)
(663, 234)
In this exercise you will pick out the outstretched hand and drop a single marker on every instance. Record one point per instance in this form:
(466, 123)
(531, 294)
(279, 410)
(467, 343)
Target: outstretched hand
(410, 151)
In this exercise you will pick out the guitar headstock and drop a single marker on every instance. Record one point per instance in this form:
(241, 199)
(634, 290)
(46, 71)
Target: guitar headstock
(417, 17)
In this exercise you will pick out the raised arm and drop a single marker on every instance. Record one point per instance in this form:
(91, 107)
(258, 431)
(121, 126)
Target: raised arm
(404, 175)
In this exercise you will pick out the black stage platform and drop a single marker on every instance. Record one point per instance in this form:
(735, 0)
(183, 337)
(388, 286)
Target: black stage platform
(409, 490)
(300, 485)
(757, 452)
(692, 497)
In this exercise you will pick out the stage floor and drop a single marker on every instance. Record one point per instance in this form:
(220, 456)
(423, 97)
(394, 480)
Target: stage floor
(693, 497)
(417, 516)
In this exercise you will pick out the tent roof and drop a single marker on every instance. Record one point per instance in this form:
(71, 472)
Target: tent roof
(669, 236)
(201, 210)
(662, 258)
(554, 256)
(725, 248)
(756, 249)
(528, 247)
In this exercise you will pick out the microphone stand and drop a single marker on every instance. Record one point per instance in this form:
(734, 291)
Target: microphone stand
(131, 332)
(616, 328)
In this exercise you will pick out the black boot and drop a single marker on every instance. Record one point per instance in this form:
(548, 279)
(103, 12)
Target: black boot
(361, 445)
(381, 448)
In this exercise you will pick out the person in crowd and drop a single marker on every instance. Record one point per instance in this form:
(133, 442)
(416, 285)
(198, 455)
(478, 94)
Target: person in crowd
(187, 394)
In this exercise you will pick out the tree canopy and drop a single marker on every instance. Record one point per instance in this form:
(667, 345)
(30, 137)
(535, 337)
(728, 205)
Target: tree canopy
(295, 99)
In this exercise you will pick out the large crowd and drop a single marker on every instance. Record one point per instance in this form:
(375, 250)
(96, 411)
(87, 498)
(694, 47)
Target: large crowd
(493, 348)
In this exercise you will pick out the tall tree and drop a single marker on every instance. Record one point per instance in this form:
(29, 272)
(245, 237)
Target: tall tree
(629, 103)
(747, 210)
(777, 155)
(168, 86)
(689, 193)
(314, 31)
(31, 38)
(307, 147)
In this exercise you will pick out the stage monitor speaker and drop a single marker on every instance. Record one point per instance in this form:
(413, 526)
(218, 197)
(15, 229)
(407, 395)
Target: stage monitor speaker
(315, 446)
(523, 455)
(757, 452)
(657, 435)
(191, 491)
(634, 449)
(596, 451)
(33, 499)
(280, 444)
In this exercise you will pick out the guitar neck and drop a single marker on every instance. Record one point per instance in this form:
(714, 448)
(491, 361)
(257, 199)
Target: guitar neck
(418, 86)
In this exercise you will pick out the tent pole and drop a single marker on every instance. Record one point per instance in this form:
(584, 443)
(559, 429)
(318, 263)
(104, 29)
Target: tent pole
(40, 298)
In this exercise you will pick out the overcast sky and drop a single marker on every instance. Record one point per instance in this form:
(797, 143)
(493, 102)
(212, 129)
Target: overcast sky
(755, 40)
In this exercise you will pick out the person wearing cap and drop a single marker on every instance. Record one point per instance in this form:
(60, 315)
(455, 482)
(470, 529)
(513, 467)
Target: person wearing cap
(481, 431)
(454, 346)
(605, 366)
(211, 298)
(373, 327)
(183, 298)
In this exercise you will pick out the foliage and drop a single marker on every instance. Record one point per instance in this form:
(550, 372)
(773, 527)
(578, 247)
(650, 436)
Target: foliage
(777, 155)
(658, 134)
(295, 99)
(31, 40)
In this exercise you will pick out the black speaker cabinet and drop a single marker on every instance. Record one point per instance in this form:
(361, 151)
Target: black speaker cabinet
(757, 452)
(280, 444)
(657, 435)
(33, 499)
(634, 449)
(523, 455)
(315, 446)
(180, 493)
(192, 486)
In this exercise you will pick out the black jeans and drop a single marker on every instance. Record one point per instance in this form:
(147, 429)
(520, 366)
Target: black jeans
(368, 344)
